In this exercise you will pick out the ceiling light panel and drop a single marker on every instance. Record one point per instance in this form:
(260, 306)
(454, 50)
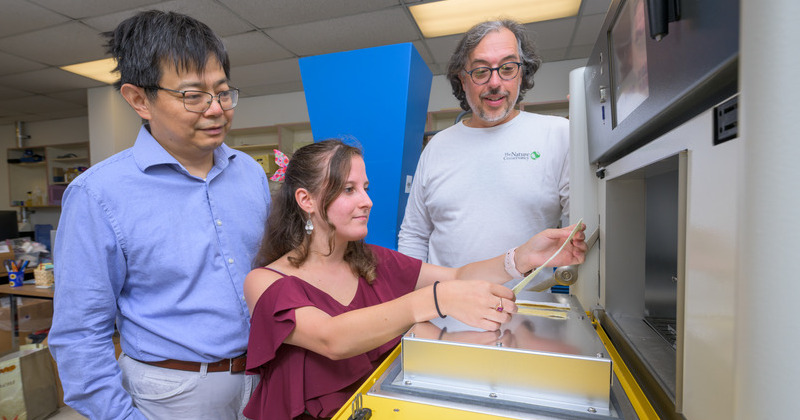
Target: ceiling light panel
(448, 17)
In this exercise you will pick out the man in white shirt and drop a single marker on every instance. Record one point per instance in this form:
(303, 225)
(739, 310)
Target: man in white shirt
(487, 183)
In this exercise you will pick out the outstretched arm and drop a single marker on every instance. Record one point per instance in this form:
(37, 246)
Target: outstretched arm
(355, 332)
(528, 256)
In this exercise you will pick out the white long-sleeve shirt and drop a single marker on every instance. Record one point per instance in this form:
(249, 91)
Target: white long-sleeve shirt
(478, 192)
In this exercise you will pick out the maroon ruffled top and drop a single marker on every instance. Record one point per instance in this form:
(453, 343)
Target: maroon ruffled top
(295, 380)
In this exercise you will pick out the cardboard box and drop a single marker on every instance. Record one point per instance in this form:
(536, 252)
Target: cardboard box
(33, 315)
(6, 255)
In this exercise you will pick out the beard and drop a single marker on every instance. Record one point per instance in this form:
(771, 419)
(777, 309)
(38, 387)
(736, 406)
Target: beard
(492, 116)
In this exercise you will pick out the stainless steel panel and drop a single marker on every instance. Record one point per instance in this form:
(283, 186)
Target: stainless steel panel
(552, 359)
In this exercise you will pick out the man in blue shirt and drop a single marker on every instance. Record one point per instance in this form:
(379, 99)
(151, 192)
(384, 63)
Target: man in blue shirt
(158, 238)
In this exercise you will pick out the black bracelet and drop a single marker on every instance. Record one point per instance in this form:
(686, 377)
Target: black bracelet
(436, 301)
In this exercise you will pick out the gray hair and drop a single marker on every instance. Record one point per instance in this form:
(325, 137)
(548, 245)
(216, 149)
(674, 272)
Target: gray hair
(527, 53)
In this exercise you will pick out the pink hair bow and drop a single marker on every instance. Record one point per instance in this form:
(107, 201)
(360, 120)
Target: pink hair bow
(282, 161)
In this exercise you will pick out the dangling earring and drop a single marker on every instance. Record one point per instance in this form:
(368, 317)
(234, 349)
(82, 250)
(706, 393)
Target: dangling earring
(309, 226)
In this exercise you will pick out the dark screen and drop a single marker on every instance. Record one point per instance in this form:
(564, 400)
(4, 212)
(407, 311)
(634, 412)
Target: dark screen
(8, 224)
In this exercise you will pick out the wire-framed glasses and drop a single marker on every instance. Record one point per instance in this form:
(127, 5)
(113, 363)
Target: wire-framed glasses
(506, 71)
(199, 101)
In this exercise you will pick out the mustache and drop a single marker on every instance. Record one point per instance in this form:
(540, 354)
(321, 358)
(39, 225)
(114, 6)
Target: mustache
(494, 91)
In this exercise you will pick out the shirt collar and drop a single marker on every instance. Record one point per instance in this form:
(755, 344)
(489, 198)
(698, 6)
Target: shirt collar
(148, 152)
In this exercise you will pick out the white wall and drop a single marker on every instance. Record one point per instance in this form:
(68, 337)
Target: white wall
(767, 338)
(113, 124)
(552, 81)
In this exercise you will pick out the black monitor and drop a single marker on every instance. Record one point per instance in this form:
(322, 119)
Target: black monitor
(8, 225)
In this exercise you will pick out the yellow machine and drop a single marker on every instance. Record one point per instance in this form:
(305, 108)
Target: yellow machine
(549, 362)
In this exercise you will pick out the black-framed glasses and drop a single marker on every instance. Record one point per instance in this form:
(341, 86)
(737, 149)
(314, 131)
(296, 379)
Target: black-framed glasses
(506, 71)
(199, 101)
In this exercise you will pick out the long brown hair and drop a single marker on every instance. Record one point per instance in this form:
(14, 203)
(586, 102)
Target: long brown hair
(321, 168)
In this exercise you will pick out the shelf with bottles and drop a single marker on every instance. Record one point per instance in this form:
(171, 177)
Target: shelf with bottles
(38, 176)
(65, 162)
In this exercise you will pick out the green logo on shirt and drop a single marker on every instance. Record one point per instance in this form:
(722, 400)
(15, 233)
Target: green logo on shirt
(521, 155)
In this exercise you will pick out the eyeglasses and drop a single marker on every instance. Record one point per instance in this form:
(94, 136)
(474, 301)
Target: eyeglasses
(199, 101)
(506, 71)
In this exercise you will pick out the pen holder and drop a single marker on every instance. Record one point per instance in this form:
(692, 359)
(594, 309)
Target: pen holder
(15, 278)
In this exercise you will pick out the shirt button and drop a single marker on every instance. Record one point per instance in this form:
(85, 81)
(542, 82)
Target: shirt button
(219, 222)
(230, 260)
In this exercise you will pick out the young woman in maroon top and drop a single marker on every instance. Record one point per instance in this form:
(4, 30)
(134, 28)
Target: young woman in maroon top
(326, 307)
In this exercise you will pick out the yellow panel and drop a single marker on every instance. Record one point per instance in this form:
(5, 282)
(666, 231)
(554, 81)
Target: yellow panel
(632, 389)
(385, 408)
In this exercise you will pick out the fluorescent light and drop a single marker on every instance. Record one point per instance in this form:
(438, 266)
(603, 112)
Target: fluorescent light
(101, 70)
(448, 17)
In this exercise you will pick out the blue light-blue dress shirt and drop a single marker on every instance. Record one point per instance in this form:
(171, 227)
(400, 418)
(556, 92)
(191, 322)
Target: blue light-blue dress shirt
(162, 253)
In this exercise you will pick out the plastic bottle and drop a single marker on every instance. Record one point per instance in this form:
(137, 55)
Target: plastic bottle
(38, 197)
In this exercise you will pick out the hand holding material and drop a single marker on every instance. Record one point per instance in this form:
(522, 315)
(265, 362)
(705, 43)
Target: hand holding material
(543, 240)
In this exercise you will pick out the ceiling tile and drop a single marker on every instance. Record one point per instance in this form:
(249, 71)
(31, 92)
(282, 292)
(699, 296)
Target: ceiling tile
(265, 73)
(592, 7)
(554, 54)
(291, 12)
(8, 107)
(12, 118)
(443, 47)
(20, 17)
(10, 64)
(424, 51)
(66, 112)
(579, 51)
(41, 103)
(438, 69)
(589, 29)
(77, 96)
(9, 93)
(49, 80)
(78, 9)
(347, 33)
(219, 18)
(274, 88)
(552, 34)
(60, 45)
(253, 47)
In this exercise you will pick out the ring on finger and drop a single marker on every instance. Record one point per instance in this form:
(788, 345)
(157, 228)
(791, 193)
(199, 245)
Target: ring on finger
(499, 307)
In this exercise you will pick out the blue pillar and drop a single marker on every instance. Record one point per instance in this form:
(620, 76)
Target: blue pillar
(378, 96)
